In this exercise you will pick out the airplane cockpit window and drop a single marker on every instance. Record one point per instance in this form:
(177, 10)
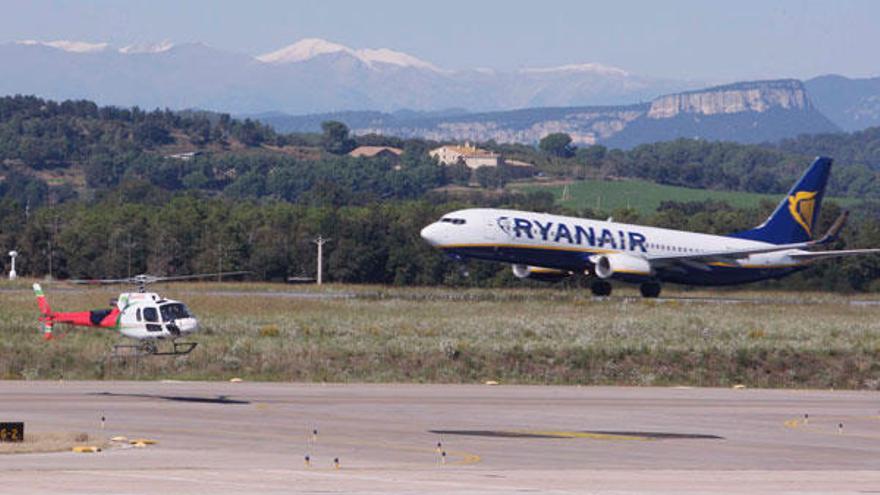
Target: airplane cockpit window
(150, 314)
(453, 221)
(173, 311)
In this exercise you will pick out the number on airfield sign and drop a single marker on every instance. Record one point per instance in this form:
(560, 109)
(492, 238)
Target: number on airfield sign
(11, 432)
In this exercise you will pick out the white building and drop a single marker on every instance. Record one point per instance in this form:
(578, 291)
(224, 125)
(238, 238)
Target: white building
(470, 155)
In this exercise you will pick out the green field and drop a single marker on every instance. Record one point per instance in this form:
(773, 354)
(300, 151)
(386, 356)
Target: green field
(644, 196)
(457, 335)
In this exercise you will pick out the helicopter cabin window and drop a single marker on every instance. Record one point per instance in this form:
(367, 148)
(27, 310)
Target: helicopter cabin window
(138, 314)
(173, 311)
(150, 314)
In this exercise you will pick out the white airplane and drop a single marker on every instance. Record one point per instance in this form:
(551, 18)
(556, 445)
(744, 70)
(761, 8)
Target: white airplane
(551, 247)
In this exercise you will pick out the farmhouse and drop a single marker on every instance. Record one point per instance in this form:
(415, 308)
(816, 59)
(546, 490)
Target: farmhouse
(470, 155)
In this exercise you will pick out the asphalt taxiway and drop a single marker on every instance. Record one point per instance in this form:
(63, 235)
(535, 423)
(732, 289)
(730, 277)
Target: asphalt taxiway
(253, 437)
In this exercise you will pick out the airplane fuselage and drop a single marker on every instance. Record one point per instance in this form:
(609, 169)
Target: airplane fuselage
(572, 244)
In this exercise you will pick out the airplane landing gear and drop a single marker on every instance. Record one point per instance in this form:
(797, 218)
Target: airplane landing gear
(600, 288)
(650, 289)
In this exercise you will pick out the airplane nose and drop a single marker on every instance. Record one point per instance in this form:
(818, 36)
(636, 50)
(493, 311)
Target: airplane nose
(429, 234)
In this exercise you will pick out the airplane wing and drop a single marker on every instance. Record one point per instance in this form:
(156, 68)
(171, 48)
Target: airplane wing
(727, 256)
(818, 255)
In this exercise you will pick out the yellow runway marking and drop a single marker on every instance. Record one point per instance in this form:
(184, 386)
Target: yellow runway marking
(792, 423)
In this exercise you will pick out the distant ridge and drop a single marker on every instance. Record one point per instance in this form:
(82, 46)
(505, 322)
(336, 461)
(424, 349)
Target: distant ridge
(747, 112)
(316, 76)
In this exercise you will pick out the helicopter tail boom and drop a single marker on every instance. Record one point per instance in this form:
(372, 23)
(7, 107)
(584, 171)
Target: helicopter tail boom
(105, 318)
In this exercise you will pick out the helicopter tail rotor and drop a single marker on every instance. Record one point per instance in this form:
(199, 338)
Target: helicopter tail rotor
(42, 303)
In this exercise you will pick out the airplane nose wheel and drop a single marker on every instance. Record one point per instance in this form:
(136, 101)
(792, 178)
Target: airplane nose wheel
(650, 289)
(600, 288)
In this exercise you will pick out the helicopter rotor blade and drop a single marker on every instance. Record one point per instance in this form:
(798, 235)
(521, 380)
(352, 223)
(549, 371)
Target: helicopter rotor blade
(196, 276)
(146, 279)
(105, 281)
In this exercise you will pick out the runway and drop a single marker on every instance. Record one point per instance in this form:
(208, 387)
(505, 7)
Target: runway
(253, 437)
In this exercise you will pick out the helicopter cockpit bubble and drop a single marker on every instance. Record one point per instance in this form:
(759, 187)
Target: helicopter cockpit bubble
(174, 311)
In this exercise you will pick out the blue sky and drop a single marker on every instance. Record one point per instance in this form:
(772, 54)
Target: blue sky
(682, 39)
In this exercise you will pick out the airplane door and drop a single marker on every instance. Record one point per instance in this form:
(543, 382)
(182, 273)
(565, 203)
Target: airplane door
(498, 229)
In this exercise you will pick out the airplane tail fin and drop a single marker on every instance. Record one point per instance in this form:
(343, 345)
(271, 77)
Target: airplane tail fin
(794, 218)
(45, 311)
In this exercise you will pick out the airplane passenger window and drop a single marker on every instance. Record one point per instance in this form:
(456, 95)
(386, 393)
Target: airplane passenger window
(150, 314)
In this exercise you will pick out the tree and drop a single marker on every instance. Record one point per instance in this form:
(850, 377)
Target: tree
(557, 144)
(335, 138)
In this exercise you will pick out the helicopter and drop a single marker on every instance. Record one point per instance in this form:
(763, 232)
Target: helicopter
(146, 317)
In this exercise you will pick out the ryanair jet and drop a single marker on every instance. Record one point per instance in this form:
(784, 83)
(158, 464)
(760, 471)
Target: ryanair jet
(551, 247)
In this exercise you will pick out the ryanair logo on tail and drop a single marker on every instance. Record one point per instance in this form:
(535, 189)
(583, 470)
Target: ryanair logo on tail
(802, 205)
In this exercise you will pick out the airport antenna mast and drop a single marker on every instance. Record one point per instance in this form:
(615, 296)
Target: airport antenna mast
(320, 241)
(12, 274)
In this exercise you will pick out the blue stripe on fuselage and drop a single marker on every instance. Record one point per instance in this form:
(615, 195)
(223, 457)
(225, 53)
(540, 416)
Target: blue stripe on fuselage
(578, 261)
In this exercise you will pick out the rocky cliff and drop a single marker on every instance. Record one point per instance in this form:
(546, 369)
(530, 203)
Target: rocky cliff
(758, 96)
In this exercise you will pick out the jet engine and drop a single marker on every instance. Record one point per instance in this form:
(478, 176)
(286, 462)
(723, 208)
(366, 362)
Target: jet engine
(609, 265)
(539, 273)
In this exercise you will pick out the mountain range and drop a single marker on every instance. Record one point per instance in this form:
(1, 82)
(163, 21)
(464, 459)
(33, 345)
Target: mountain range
(380, 89)
(311, 75)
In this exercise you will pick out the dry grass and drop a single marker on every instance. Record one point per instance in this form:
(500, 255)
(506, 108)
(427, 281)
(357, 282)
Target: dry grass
(50, 442)
(471, 335)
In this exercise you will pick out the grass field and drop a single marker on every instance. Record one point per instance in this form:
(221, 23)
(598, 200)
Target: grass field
(644, 196)
(471, 335)
(51, 442)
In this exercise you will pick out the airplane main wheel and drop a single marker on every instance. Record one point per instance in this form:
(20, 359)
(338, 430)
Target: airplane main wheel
(600, 288)
(650, 289)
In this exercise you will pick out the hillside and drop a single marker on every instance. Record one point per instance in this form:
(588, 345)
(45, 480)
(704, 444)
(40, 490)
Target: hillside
(644, 197)
(749, 112)
(851, 103)
(53, 152)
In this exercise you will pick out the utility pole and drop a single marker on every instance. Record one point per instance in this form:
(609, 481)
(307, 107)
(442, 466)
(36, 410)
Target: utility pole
(128, 246)
(320, 241)
(219, 261)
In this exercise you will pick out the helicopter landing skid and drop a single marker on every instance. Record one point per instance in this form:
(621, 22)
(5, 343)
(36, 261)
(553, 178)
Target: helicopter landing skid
(152, 349)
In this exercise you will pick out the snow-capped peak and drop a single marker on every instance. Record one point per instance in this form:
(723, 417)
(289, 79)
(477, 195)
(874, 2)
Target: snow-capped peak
(303, 50)
(162, 46)
(604, 70)
(386, 56)
(68, 46)
(309, 48)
